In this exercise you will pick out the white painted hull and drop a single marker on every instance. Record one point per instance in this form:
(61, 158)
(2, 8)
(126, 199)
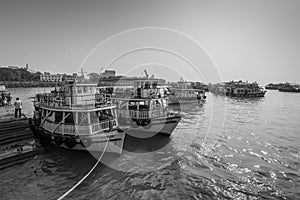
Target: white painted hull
(111, 142)
(164, 126)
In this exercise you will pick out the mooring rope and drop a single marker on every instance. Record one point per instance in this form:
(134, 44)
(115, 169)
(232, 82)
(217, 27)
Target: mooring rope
(81, 180)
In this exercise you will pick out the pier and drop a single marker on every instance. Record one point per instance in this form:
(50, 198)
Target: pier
(17, 142)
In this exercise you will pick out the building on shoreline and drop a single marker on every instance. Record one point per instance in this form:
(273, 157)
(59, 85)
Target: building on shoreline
(47, 77)
(109, 78)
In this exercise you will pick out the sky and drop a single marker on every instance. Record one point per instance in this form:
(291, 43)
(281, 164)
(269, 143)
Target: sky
(210, 41)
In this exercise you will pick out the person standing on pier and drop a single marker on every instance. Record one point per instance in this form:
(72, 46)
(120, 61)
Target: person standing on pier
(18, 107)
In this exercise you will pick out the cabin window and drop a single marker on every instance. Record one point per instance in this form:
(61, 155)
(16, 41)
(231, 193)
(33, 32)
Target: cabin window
(44, 113)
(94, 117)
(84, 90)
(105, 115)
(70, 118)
(83, 119)
(154, 85)
(58, 116)
(50, 116)
(90, 90)
(79, 89)
(143, 107)
(132, 106)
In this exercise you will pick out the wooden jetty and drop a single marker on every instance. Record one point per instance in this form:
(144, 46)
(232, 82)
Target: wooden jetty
(17, 142)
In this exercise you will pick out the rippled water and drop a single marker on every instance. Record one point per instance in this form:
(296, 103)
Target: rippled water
(226, 149)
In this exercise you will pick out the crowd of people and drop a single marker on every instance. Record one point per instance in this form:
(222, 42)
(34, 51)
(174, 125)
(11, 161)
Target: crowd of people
(5, 99)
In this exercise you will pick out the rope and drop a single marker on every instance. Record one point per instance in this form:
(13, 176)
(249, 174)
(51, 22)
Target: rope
(81, 180)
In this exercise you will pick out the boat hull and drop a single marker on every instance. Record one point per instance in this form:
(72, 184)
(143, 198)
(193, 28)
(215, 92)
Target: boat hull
(289, 90)
(111, 142)
(163, 125)
(246, 95)
(180, 100)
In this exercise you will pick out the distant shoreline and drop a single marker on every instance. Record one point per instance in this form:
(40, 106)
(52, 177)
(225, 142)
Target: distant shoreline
(25, 84)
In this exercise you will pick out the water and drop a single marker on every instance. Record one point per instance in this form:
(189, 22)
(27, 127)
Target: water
(226, 149)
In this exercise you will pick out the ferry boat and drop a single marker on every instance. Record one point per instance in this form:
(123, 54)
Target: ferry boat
(287, 87)
(143, 110)
(183, 93)
(75, 117)
(238, 89)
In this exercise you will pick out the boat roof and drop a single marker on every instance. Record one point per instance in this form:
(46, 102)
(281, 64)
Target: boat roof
(76, 109)
(138, 99)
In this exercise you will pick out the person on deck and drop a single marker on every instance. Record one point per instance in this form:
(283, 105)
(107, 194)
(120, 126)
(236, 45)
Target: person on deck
(18, 107)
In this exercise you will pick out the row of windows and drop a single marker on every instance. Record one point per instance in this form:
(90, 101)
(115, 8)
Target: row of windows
(81, 90)
(82, 117)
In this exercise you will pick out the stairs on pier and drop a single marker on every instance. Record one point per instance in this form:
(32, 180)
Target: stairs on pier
(17, 143)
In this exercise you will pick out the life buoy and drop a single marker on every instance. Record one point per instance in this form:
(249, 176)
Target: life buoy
(58, 140)
(147, 124)
(70, 142)
(133, 124)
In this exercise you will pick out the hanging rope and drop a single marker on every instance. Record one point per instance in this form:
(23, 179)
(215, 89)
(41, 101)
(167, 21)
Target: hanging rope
(81, 180)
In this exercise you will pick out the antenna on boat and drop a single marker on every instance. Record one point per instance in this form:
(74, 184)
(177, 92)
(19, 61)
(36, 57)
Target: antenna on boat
(146, 73)
(82, 72)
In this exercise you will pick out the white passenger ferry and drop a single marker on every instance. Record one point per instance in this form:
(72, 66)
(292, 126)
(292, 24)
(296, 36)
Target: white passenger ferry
(76, 117)
(143, 111)
(184, 93)
(238, 89)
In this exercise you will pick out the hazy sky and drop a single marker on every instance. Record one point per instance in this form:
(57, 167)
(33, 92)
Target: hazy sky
(250, 40)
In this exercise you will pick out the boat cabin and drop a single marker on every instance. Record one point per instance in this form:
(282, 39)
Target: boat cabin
(147, 102)
(75, 109)
(77, 122)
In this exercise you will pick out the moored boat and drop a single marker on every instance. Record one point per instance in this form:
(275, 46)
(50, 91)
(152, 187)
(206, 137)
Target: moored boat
(144, 111)
(75, 117)
(238, 89)
(183, 93)
(287, 87)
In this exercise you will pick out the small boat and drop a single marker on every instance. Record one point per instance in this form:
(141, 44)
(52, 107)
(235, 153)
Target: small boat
(73, 117)
(287, 87)
(272, 86)
(238, 89)
(144, 111)
(184, 93)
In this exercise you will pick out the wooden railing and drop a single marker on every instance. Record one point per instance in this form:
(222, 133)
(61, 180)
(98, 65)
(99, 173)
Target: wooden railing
(72, 129)
(134, 114)
(77, 101)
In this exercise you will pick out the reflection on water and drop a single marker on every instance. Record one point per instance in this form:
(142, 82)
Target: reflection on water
(225, 149)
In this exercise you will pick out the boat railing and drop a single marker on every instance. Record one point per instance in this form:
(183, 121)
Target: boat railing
(142, 114)
(76, 129)
(74, 101)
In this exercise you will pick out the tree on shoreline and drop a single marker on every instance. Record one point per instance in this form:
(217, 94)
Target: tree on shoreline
(8, 74)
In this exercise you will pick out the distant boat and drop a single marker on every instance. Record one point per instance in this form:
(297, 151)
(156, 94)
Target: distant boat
(289, 88)
(184, 93)
(274, 86)
(271, 86)
(143, 109)
(238, 89)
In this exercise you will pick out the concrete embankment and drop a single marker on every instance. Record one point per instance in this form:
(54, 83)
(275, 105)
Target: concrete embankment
(17, 143)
